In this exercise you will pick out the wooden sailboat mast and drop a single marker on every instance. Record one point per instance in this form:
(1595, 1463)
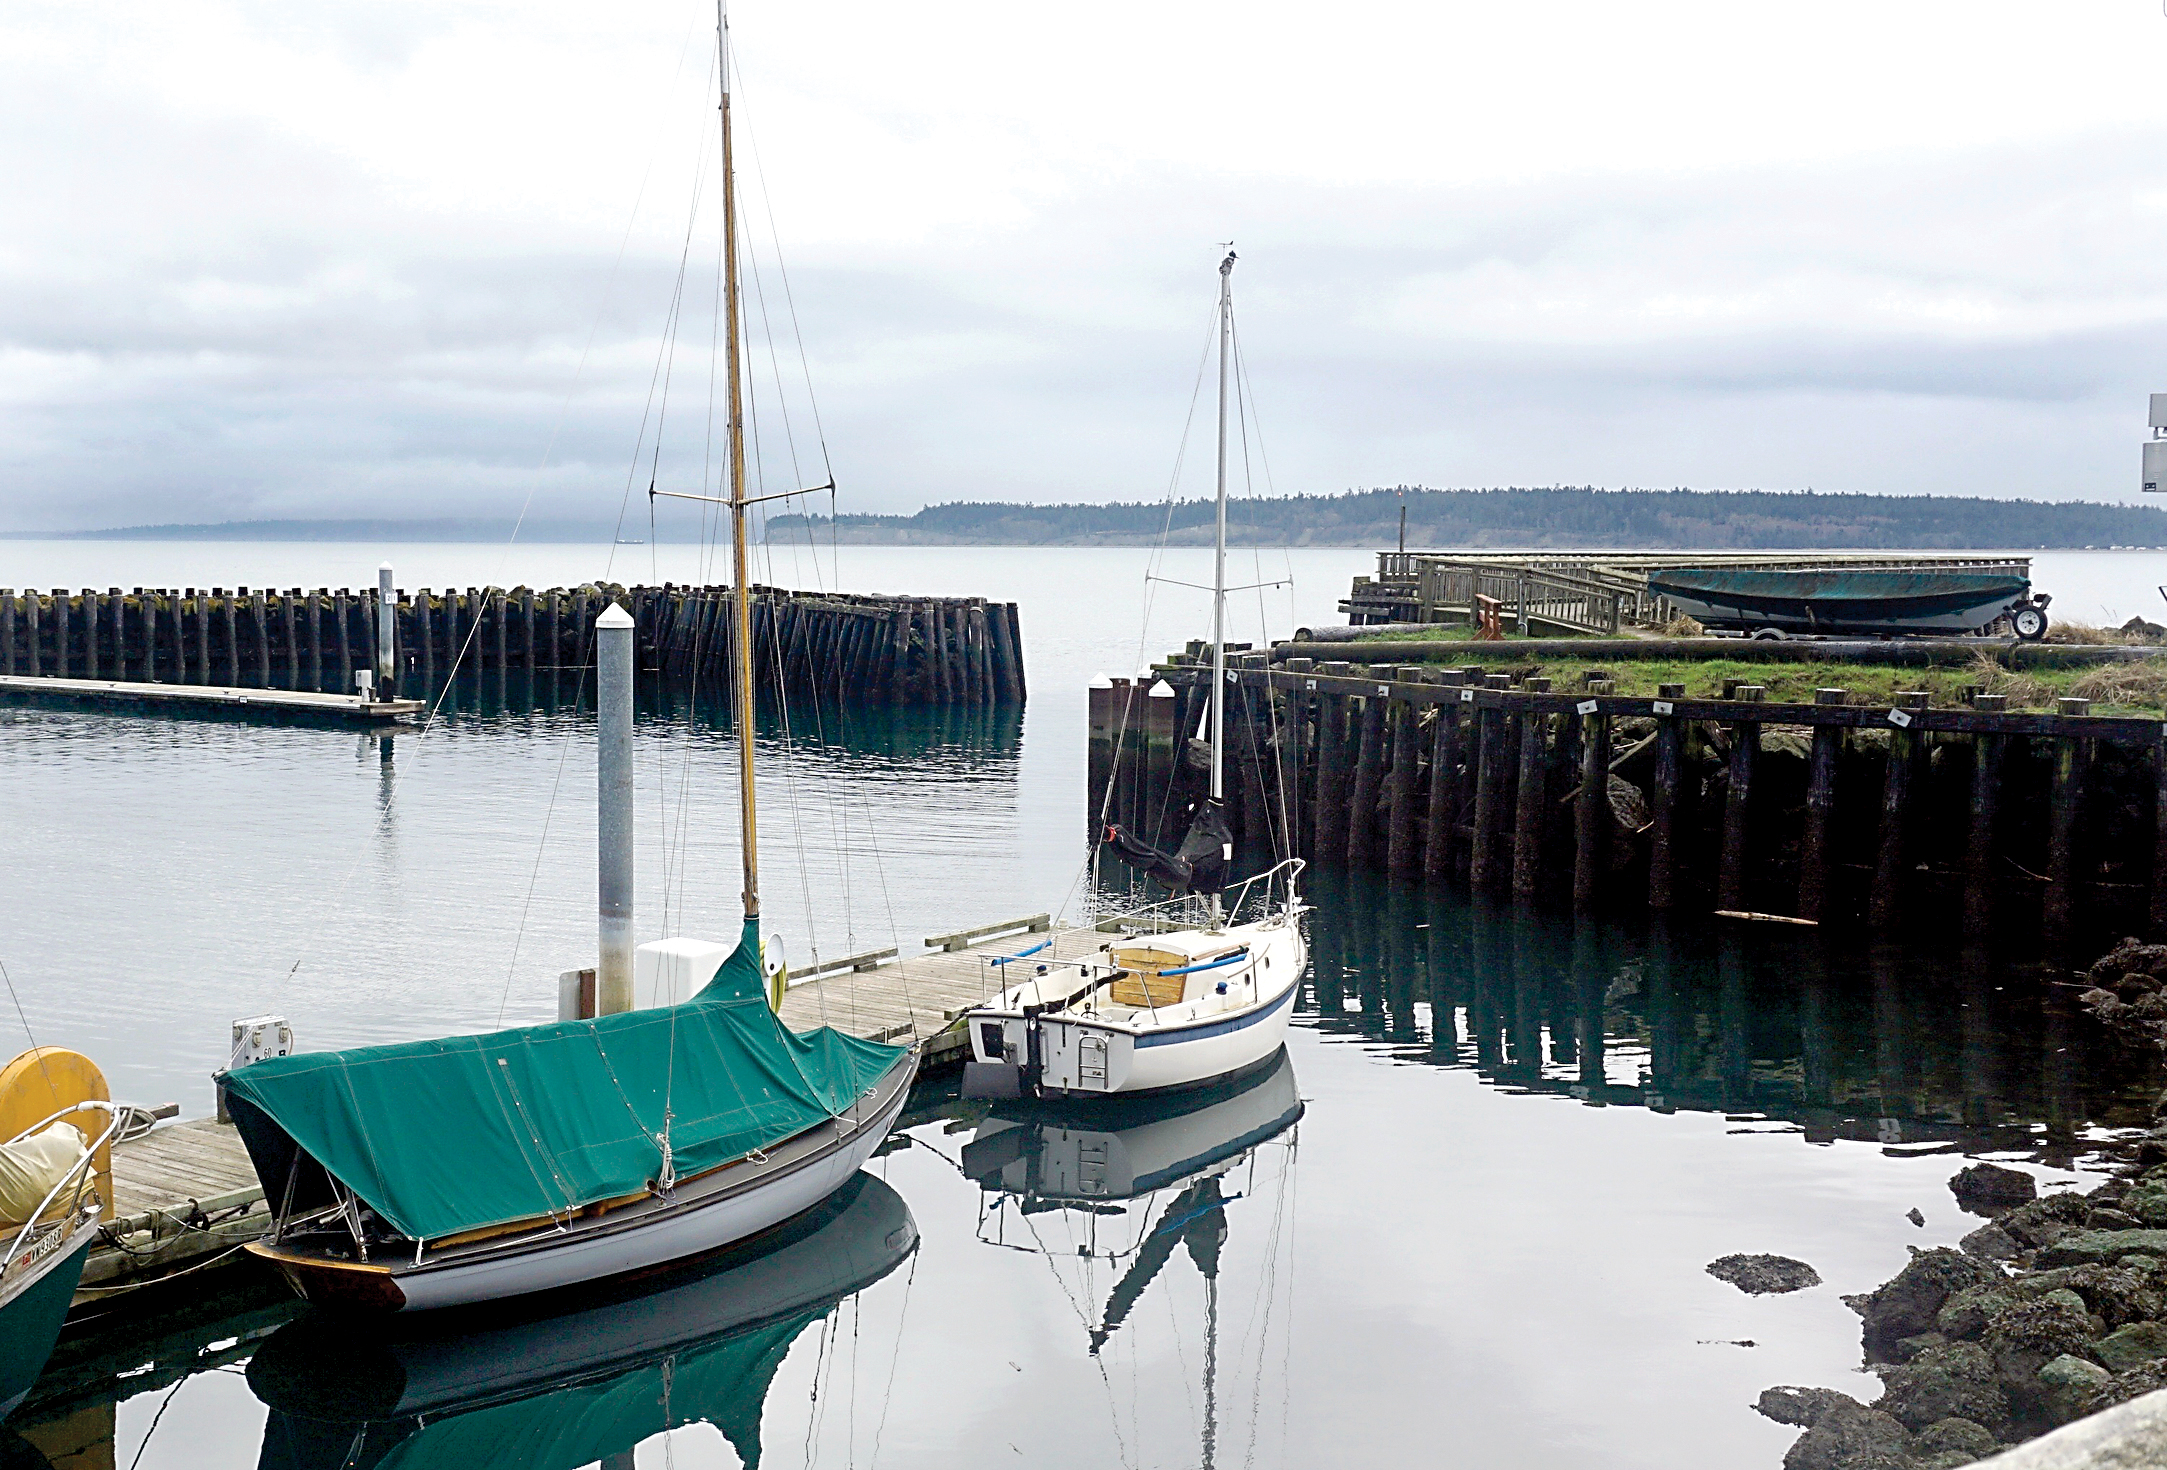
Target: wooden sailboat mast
(741, 624)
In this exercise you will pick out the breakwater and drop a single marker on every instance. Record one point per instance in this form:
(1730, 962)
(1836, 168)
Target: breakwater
(858, 648)
(1834, 810)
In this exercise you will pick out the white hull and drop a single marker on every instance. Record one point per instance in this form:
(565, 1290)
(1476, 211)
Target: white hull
(691, 1233)
(707, 1214)
(1233, 1020)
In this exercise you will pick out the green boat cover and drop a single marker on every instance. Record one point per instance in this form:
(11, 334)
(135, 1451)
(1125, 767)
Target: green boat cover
(724, 1383)
(464, 1132)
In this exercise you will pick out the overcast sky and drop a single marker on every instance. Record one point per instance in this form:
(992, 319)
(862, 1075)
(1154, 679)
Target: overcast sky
(400, 258)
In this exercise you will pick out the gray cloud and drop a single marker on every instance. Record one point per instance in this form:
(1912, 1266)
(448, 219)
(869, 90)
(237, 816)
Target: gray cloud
(205, 314)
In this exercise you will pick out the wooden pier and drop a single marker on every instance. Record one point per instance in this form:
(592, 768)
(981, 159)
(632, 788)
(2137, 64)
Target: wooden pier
(187, 1198)
(855, 648)
(279, 701)
(1584, 592)
(1828, 812)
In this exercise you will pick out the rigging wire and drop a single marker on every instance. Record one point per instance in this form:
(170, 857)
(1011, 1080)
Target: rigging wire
(1143, 636)
(665, 349)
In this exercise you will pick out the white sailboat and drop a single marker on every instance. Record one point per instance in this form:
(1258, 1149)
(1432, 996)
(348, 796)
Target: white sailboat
(1200, 987)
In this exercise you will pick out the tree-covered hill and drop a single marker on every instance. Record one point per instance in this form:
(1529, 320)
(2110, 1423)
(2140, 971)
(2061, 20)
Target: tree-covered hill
(1548, 516)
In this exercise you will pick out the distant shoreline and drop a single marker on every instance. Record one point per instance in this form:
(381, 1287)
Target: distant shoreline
(1555, 517)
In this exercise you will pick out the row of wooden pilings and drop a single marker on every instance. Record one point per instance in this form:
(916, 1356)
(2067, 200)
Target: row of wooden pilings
(861, 649)
(1819, 812)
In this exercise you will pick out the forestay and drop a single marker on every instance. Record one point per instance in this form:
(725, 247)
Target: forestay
(465, 1132)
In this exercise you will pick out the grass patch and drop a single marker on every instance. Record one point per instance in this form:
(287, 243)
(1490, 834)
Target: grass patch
(2114, 689)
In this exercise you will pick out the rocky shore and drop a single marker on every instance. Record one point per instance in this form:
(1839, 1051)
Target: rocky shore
(2053, 1309)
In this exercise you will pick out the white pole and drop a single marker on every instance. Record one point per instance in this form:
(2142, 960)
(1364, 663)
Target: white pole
(613, 800)
(387, 631)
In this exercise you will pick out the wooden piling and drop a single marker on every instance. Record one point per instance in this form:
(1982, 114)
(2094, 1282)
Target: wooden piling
(1737, 803)
(1528, 806)
(202, 601)
(1986, 777)
(1891, 865)
(1491, 761)
(1161, 812)
(1444, 805)
(229, 628)
(93, 616)
(2064, 801)
(1368, 773)
(1402, 852)
(343, 681)
(290, 630)
(1663, 805)
(7, 631)
(1813, 860)
(1331, 812)
(259, 629)
(1591, 812)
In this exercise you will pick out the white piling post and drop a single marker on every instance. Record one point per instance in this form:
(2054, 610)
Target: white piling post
(387, 632)
(614, 797)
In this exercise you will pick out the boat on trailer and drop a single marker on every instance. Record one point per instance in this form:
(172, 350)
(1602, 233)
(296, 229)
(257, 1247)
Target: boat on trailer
(1943, 602)
(472, 1169)
(1194, 992)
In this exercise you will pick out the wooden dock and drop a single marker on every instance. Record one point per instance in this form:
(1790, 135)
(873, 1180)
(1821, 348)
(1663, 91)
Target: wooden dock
(1831, 812)
(856, 648)
(277, 701)
(922, 996)
(187, 1197)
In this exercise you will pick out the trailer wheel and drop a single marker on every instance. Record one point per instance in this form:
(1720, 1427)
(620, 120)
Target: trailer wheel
(1764, 635)
(2030, 623)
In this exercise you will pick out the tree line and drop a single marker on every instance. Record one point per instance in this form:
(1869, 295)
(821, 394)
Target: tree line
(1561, 515)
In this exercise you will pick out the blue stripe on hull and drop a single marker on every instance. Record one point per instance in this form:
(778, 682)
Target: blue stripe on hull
(1209, 1029)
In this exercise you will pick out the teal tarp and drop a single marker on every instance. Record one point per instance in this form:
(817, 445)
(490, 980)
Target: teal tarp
(467, 1131)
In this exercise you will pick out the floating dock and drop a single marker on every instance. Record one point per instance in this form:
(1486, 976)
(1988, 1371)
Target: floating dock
(283, 701)
(187, 1197)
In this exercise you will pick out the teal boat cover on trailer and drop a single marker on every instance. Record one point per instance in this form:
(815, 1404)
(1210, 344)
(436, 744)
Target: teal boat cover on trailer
(465, 1132)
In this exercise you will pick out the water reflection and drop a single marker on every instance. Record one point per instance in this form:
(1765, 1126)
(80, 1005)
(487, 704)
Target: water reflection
(1906, 1046)
(898, 731)
(574, 1381)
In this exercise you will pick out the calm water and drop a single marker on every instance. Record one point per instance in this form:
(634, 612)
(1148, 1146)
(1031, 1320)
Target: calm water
(1481, 1243)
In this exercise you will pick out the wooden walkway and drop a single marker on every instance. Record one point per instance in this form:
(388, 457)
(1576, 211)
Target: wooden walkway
(187, 1196)
(281, 701)
(183, 1194)
(922, 996)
